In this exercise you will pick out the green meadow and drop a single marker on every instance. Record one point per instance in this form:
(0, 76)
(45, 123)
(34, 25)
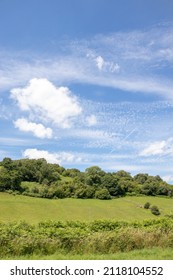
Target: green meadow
(34, 210)
(104, 236)
(143, 254)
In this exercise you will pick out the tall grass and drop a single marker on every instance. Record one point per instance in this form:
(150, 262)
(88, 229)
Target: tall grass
(99, 237)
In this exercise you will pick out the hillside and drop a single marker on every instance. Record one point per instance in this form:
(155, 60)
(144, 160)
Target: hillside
(34, 210)
(46, 210)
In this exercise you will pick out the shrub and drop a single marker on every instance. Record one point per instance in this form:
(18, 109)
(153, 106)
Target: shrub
(147, 205)
(102, 194)
(155, 210)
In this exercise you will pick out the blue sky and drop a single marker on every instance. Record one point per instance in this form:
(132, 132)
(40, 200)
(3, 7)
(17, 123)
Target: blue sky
(88, 82)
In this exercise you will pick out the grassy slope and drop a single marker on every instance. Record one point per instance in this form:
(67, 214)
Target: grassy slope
(33, 210)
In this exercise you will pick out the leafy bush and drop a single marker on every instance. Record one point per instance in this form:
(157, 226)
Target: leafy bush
(155, 210)
(102, 194)
(147, 205)
(100, 236)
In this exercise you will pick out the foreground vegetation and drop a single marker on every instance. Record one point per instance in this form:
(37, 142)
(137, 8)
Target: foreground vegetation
(78, 238)
(123, 234)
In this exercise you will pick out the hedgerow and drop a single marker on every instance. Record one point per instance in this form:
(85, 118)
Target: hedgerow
(98, 237)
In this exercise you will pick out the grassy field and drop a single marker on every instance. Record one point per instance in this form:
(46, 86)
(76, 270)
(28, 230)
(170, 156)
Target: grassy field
(144, 254)
(34, 210)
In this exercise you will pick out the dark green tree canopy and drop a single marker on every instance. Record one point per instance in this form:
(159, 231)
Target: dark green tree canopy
(37, 177)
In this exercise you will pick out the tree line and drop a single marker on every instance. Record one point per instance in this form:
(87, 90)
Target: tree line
(41, 179)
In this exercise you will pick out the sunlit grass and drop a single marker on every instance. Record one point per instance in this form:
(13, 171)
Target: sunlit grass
(34, 210)
(144, 254)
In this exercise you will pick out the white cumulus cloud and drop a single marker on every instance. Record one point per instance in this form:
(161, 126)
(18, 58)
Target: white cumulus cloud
(153, 149)
(37, 129)
(62, 157)
(47, 102)
(36, 154)
(164, 148)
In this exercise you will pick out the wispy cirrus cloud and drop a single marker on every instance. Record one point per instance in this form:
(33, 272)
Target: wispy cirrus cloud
(133, 61)
(106, 66)
(16, 141)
